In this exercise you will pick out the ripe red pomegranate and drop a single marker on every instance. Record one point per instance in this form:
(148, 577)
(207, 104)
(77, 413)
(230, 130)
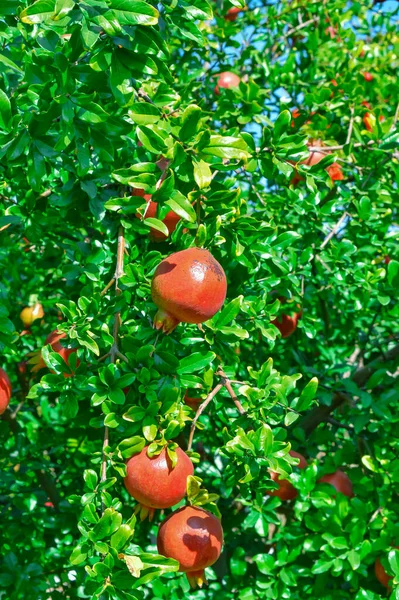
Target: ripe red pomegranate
(5, 391)
(287, 324)
(232, 13)
(54, 340)
(171, 220)
(381, 573)
(31, 313)
(368, 76)
(286, 490)
(340, 481)
(194, 537)
(154, 482)
(334, 170)
(188, 286)
(226, 80)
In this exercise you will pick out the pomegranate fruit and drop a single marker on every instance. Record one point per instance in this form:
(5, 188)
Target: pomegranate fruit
(188, 286)
(194, 537)
(193, 403)
(286, 490)
(5, 391)
(368, 76)
(31, 313)
(285, 323)
(171, 220)
(340, 481)
(154, 482)
(334, 170)
(232, 13)
(387, 260)
(226, 80)
(54, 340)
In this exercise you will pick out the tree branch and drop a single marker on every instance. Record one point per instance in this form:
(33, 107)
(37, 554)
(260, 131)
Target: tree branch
(200, 410)
(360, 377)
(227, 383)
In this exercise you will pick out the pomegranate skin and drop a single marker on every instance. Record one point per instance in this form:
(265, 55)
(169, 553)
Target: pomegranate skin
(154, 483)
(286, 490)
(188, 286)
(5, 391)
(194, 537)
(381, 574)
(285, 323)
(340, 481)
(171, 219)
(232, 13)
(226, 80)
(193, 403)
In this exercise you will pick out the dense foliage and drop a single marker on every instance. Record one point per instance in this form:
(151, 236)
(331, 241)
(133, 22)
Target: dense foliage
(101, 98)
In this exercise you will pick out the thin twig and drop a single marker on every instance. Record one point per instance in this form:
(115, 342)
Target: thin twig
(200, 410)
(109, 284)
(227, 383)
(350, 128)
(334, 230)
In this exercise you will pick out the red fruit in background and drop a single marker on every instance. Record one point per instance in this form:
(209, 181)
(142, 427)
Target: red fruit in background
(54, 340)
(226, 80)
(171, 219)
(334, 170)
(232, 13)
(31, 313)
(5, 391)
(331, 31)
(193, 403)
(154, 482)
(340, 481)
(368, 76)
(162, 163)
(381, 574)
(387, 260)
(286, 490)
(188, 286)
(194, 537)
(285, 323)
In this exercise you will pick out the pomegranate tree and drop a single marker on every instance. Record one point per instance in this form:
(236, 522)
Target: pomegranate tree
(193, 537)
(188, 286)
(154, 482)
(5, 391)
(286, 490)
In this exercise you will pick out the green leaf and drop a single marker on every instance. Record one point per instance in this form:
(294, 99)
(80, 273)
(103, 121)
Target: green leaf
(120, 538)
(143, 113)
(132, 12)
(227, 147)
(229, 312)
(281, 125)
(202, 174)
(38, 11)
(181, 206)
(307, 395)
(195, 362)
(5, 111)
(91, 479)
(153, 223)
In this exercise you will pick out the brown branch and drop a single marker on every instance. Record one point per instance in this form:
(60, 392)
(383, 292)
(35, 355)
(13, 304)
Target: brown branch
(360, 377)
(200, 410)
(350, 128)
(334, 230)
(227, 383)
(109, 284)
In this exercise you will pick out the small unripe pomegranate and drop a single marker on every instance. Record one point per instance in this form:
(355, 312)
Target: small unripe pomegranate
(154, 482)
(286, 490)
(226, 80)
(171, 219)
(31, 313)
(5, 391)
(188, 286)
(194, 537)
(232, 13)
(54, 340)
(340, 481)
